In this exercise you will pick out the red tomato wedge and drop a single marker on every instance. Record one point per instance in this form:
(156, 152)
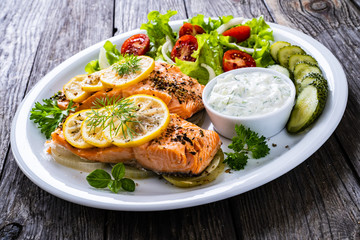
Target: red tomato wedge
(184, 47)
(138, 44)
(234, 59)
(190, 29)
(241, 33)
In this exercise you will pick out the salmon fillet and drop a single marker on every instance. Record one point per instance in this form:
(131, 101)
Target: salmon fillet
(182, 148)
(181, 93)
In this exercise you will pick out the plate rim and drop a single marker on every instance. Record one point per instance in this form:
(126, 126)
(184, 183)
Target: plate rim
(207, 195)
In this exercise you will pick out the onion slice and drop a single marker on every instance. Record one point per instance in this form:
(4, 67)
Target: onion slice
(209, 69)
(103, 61)
(64, 157)
(167, 48)
(229, 24)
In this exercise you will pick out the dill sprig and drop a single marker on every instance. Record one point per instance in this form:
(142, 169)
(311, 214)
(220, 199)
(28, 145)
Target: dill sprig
(116, 114)
(129, 64)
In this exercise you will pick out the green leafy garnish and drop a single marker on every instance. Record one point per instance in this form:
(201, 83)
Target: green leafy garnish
(158, 29)
(129, 64)
(112, 54)
(48, 115)
(116, 115)
(244, 143)
(99, 178)
(210, 25)
(92, 67)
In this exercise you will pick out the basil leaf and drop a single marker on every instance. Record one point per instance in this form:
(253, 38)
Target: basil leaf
(98, 178)
(128, 184)
(114, 185)
(118, 171)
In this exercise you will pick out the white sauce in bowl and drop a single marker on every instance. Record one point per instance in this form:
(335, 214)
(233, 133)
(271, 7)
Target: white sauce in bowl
(249, 94)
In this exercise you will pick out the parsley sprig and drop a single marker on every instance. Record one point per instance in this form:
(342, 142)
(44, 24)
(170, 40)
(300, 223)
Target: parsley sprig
(129, 64)
(117, 114)
(48, 115)
(99, 178)
(244, 143)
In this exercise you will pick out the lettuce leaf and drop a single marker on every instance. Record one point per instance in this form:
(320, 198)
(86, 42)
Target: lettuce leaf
(112, 54)
(210, 51)
(261, 36)
(210, 25)
(157, 29)
(92, 67)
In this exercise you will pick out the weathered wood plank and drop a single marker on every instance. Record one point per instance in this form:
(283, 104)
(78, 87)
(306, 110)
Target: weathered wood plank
(237, 8)
(130, 15)
(57, 30)
(317, 200)
(336, 25)
(20, 28)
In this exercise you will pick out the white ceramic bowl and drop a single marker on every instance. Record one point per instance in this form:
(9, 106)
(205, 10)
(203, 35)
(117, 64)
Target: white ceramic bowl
(268, 124)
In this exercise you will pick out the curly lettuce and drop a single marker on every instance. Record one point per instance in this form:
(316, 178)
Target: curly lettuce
(158, 29)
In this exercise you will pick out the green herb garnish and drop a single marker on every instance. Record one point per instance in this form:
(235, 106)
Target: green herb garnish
(245, 142)
(48, 115)
(130, 64)
(99, 178)
(116, 114)
(92, 66)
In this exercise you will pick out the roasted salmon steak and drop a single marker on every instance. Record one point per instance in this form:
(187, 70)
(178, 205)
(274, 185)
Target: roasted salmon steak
(183, 148)
(181, 93)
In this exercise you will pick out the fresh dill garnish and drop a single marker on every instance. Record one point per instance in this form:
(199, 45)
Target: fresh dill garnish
(244, 142)
(130, 64)
(116, 114)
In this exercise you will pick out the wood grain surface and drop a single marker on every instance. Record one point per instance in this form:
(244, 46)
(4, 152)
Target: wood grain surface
(319, 199)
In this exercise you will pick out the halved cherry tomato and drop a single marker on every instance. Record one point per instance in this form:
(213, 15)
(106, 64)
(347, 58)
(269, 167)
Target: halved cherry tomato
(190, 29)
(241, 33)
(237, 59)
(138, 45)
(184, 47)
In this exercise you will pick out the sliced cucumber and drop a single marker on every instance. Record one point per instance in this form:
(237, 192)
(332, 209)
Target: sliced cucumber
(276, 47)
(286, 52)
(298, 58)
(304, 69)
(279, 69)
(215, 168)
(311, 78)
(308, 107)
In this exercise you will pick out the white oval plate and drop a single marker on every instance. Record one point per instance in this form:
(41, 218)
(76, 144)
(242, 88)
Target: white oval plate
(154, 194)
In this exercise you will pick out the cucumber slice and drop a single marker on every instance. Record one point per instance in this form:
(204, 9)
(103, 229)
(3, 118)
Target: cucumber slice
(279, 69)
(304, 69)
(285, 53)
(276, 47)
(312, 78)
(308, 107)
(298, 58)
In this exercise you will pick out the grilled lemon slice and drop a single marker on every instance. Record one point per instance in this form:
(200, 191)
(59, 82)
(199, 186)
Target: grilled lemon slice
(73, 89)
(72, 129)
(110, 76)
(152, 117)
(92, 132)
(92, 83)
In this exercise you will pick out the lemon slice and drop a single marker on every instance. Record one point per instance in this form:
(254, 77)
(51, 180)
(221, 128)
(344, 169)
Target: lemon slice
(93, 134)
(92, 83)
(73, 89)
(110, 77)
(152, 118)
(72, 129)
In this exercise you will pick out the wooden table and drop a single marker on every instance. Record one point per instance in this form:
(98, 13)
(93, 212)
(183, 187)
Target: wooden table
(319, 199)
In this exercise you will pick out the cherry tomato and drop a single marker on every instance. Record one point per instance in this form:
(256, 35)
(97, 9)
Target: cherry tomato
(138, 45)
(237, 59)
(241, 33)
(184, 47)
(190, 29)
